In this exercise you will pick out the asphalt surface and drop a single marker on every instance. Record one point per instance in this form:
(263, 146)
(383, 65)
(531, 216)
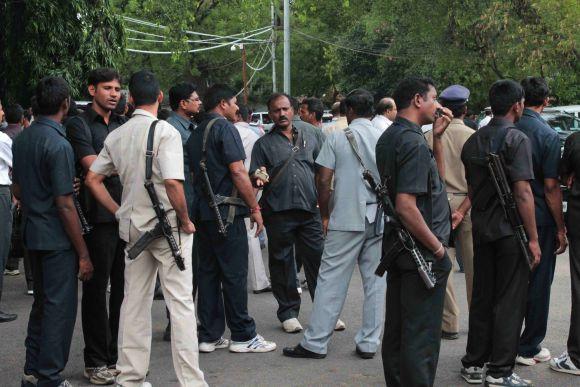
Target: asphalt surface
(341, 367)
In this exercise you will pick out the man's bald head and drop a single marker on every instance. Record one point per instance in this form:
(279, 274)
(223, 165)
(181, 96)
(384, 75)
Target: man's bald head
(386, 107)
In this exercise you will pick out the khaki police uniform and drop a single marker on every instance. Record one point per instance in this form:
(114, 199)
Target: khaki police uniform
(124, 153)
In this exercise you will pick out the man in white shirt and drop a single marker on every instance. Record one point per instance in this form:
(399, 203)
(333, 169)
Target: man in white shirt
(258, 278)
(385, 113)
(5, 210)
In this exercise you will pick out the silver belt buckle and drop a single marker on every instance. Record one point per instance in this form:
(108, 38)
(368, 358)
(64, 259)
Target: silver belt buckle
(295, 149)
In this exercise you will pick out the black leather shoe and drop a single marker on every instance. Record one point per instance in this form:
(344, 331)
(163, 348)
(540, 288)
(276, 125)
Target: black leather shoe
(167, 333)
(364, 355)
(449, 335)
(7, 317)
(300, 351)
(265, 290)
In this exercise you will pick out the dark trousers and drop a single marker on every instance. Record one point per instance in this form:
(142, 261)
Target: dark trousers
(222, 282)
(500, 284)
(414, 316)
(289, 230)
(5, 230)
(100, 329)
(538, 304)
(574, 334)
(52, 318)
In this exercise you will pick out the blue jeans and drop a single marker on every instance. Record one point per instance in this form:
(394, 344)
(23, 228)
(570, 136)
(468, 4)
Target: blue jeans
(53, 315)
(538, 304)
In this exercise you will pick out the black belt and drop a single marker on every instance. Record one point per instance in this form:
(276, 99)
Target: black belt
(457, 193)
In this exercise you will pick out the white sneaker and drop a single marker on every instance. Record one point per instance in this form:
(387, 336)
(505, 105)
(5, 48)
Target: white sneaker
(292, 325)
(299, 290)
(210, 347)
(256, 345)
(340, 326)
(509, 381)
(541, 357)
(563, 363)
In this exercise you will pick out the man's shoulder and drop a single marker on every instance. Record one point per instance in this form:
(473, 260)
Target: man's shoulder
(5, 138)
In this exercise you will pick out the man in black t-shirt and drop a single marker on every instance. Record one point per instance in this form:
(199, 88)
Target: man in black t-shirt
(414, 176)
(87, 133)
(501, 272)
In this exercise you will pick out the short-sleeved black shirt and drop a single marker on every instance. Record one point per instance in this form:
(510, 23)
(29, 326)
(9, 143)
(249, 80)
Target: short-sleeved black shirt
(224, 146)
(570, 165)
(44, 169)
(86, 133)
(487, 215)
(545, 157)
(406, 165)
(295, 189)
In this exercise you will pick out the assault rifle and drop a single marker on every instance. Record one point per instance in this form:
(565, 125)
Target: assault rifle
(496, 168)
(85, 226)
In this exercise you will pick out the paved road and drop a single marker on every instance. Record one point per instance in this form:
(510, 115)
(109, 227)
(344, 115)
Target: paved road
(341, 367)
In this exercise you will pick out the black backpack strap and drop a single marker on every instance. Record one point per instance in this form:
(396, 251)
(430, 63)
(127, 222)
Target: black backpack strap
(149, 152)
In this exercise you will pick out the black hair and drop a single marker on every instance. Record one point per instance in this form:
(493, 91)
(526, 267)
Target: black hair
(217, 93)
(361, 102)
(73, 109)
(49, 94)
(503, 94)
(101, 75)
(244, 112)
(163, 114)
(274, 96)
(315, 106)
(384, 105)
(144, 88)
(180, 92)
(335, 108)
(14, 113)
(28, 114)
(408, 88)
(457, 108)
(121, 105)
(536, 90)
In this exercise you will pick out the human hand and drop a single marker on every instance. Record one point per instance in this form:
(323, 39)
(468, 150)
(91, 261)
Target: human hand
(570, 181)
(536, 253)
(261, 177)
(85, 269)
(188, 227)
(456, 219)
(561, 242)
(442, 121)
(256, 219)
(325, 226)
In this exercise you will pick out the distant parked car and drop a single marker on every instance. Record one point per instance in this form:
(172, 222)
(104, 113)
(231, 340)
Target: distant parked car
(262, 120)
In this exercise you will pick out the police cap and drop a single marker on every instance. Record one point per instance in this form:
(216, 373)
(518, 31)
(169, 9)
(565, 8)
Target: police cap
(455, 93)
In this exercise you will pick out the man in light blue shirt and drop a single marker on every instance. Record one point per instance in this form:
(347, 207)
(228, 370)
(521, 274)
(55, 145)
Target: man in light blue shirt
(353, 234)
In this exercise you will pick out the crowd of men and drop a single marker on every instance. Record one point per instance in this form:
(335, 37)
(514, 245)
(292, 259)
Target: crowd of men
(113, 196)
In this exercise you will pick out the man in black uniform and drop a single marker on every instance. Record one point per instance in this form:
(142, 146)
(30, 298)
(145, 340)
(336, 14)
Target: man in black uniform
(501, 272)
(87, 133)
(415, 180)
(291, 216)
(43, 182)
(223, 259)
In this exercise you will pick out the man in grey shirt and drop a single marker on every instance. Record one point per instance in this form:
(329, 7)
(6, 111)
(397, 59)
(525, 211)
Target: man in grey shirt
(353, 234)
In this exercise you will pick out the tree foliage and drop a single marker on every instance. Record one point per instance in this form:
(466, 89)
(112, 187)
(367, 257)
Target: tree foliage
(57, 37)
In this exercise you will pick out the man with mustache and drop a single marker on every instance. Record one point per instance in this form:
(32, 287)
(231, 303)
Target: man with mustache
(289, 203)
(87, 133)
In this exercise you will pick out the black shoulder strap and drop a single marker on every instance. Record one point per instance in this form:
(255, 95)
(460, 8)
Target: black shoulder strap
(205, 136)
(149, 152)
(498, 140)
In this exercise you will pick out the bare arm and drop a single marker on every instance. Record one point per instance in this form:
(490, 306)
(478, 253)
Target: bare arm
(94, 182)
(459, 213)
(408, 212)
(176, 196)
(553, 195)
(323, 181)
(439, 156)
(525, 201)
(87, 161)
(72, 226)
(242, 183)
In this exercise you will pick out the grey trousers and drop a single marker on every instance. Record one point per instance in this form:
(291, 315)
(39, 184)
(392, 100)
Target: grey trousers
(342, 250)
(5, 230)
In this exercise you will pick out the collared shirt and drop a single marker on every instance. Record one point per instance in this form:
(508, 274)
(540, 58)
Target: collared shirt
(381, 122)
(124, 153)
(487, 215)
(570, 165)
(249, 138)
(295, 189)
(185, 128)
(406, 165)
(545, 156)
(13, 130)
(5, 158)
(337, 125)
(352, 200)
(44, 169)
(453, 140)
(224, 146)
(299, 124)
(87, 133)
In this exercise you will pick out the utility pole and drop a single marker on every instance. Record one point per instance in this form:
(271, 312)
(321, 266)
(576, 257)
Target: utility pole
(273, 47)
(244, 74)
(287, 46)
